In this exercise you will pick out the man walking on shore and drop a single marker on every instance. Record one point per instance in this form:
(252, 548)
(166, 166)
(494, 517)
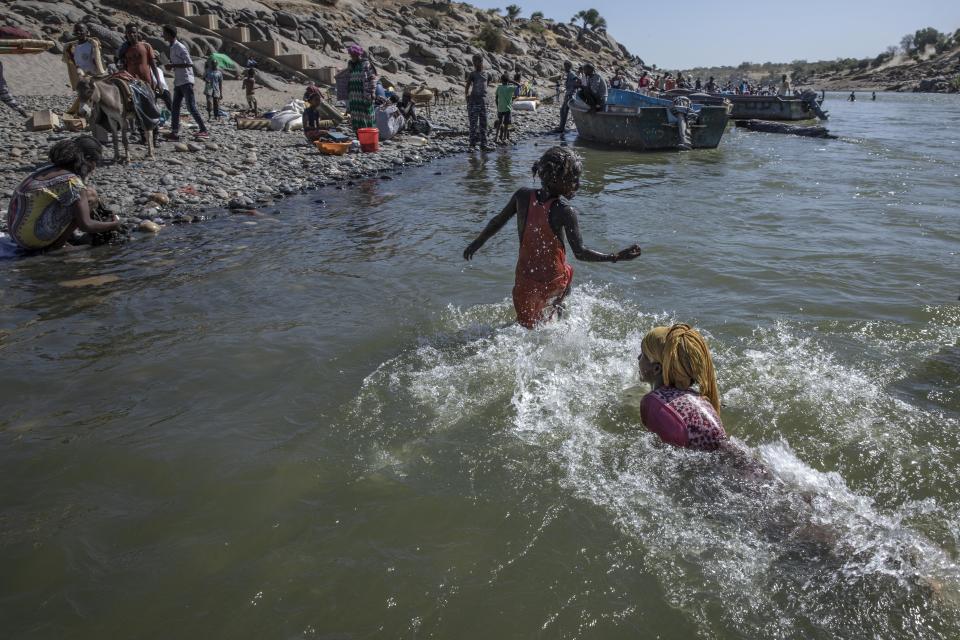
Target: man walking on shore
(570, 83)
(182, 65)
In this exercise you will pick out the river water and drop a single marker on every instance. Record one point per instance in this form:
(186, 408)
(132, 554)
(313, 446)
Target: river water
(320, 422)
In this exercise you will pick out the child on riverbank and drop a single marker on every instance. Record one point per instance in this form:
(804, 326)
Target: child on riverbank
(543, 277)
(504, 96)
(250, 87)
(213, 88)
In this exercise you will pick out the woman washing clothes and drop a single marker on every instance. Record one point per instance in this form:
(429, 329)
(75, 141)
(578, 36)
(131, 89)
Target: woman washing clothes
(544, 217)
(53, 201)
(673, 360)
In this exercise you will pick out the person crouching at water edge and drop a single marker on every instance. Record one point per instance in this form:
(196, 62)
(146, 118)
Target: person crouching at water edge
(543, 276)
(53, 201)
(672, 360)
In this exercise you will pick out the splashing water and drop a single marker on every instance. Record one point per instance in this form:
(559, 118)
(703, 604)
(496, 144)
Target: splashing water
(754, 544)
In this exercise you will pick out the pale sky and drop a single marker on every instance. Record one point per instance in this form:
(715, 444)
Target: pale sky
(694, 33)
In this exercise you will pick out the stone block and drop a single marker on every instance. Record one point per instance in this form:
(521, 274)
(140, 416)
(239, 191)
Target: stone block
(237, 34)
(266, 47)
(184, 9)
(207, 21)
(323, 75)
(294, 60)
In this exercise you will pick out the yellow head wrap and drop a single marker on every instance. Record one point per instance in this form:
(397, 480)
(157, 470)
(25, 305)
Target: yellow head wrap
(683, 354)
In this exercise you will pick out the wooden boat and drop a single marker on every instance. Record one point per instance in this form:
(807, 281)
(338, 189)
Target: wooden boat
(24, 46)
(753, 107)
(770, 108)
(645, 123)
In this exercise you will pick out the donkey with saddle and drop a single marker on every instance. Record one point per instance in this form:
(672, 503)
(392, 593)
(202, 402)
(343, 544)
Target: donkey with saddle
(117, 103)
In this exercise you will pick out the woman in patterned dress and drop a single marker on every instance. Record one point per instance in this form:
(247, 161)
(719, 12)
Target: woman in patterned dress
(673, 360)
(53, 201)
(361, 89)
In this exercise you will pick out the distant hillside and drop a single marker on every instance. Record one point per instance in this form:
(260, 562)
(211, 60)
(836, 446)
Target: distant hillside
(925, 61)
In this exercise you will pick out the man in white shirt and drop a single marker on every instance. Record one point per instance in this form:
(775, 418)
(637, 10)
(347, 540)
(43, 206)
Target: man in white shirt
(182, 66)
(82, 55)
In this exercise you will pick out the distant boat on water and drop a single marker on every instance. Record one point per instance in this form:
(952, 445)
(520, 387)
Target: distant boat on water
(644, 123)
(758, 107)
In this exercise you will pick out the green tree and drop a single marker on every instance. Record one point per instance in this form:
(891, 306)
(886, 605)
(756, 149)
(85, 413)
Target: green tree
(924, 37)
(591, 19)
(536, 15)
(512, 12)
(906, 43)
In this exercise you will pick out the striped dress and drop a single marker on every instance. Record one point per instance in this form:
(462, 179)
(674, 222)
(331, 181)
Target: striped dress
(360, 94)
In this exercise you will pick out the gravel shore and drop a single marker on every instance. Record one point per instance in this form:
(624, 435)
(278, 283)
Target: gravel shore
(234, 170)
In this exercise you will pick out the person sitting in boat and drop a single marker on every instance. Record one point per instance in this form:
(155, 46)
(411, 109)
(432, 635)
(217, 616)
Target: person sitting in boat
(785, 86)
(698, 85)
(853, 96)
(594, 89)
(672, 360)
(711, 86)
(618, 81)
(544, 218)
(644, 82)
(53, 200)
(669, 83)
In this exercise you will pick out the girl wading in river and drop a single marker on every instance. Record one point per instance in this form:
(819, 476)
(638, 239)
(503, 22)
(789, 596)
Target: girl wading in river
(543, 276)
(672, 360)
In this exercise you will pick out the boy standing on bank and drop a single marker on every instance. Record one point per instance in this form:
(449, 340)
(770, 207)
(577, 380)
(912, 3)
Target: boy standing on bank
(504, 109)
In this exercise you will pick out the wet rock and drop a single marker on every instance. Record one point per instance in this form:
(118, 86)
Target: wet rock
(161, 199)
(148, 226)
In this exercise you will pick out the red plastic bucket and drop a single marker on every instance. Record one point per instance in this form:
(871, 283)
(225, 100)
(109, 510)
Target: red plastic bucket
(369, 140)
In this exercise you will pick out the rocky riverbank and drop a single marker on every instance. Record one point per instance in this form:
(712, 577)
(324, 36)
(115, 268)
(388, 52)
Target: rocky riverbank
(236, 170)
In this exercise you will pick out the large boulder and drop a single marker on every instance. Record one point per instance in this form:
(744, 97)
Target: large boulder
(428, 55)
(454, 70)
(286, 20)
(516, 48)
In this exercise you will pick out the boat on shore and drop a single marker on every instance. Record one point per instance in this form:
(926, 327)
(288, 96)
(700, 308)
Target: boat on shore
(644, 123)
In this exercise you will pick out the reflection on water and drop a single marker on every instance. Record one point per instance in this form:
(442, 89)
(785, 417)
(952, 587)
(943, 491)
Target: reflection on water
(327, 424)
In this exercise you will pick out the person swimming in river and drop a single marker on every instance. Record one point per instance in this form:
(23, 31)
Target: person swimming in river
(543, 277)
(674, 359)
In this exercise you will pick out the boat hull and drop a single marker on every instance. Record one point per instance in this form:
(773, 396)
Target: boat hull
(648, 128)
(769, 108)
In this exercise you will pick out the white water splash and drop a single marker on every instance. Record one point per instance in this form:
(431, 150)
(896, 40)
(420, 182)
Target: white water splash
(790, 552)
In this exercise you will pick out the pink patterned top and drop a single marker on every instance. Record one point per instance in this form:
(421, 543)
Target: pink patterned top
(682, 417)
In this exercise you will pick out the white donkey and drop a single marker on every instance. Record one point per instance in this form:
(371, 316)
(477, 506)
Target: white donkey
(103, 103)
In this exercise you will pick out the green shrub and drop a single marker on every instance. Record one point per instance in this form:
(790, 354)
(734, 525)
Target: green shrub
(492, 39)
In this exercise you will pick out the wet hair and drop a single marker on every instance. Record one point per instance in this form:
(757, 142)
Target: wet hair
(477, 61)
(568, 65)
(559, 170)
(505, 78)
(77, 155)
(170, 30)
(588, 69)
(133, 26)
